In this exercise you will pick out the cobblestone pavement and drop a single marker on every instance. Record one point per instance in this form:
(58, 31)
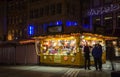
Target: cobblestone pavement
(50, 71)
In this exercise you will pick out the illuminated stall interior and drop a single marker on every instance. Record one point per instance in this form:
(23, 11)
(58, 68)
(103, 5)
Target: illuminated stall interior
(59, 46)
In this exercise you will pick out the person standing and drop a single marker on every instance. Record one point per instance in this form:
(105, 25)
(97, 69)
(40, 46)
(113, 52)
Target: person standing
(97, 55)
(110, 54)
(87, 57)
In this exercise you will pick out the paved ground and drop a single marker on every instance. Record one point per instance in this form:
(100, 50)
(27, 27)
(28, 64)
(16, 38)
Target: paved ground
(48, 71)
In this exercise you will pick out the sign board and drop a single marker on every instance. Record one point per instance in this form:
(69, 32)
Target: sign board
(54, 29)
(57, 58)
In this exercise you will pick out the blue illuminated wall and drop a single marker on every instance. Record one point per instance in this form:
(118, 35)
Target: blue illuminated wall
(31, 29)
(86, 23)
(86, 26)
(71, 23)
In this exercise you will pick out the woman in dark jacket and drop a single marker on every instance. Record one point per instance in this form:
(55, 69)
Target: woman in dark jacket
(97, 55)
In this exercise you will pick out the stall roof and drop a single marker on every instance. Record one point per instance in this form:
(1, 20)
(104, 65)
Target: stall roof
(77, 34)
(101, 36)
(57, 35)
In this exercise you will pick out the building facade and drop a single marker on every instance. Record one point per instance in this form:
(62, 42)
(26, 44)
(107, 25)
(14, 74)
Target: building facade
(103, 16)
(28, 18)
(3, 20)
(17, 15)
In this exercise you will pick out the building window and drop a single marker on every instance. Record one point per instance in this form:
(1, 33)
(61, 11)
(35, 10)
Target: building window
(71, 23)
(36, 14)
(96, 3)
(45, 27)
(59, 8)
(86, 23)
(108, 23)
(96, 24)
(31, 30)
(41, 12)
(118, 20)
(73, 10)
(46, 10)
(96, 21)
(52, 9)
(85, 6)
(58, 23)
(68, 8)
(107, 1)
(31, 14)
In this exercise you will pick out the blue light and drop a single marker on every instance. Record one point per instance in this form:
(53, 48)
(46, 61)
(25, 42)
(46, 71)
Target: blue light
(68, 23)
(51, 24)
(31, 29)
(45, 27)
(75, 23)
(86, 26)
(58, 23)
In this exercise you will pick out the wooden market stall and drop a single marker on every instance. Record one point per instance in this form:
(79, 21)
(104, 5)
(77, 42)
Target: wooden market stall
(66, 49)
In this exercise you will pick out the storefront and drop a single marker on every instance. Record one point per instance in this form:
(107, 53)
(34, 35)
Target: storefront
(66, 49)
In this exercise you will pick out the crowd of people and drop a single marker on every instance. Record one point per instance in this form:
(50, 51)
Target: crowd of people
(97, 56)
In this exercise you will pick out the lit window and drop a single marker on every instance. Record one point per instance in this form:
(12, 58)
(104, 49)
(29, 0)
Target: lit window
(31, 29)
(86, 26)
(71, 23)
(75, 23)
(45, 27)
(58, 23)
(68, 23)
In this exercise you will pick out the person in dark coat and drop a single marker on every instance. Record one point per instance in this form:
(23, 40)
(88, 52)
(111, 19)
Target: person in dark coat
(110, 54)
(87, 56)
(97, 55)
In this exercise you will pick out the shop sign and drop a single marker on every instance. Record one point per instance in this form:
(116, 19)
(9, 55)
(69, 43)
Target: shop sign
(57, 58)
(54, 29)
(101, 10)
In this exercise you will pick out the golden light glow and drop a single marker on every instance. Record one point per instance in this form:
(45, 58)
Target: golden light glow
(27, 41)
(9, 37)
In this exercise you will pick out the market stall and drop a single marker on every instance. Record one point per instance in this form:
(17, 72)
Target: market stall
(59, 49)
(66, 49)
